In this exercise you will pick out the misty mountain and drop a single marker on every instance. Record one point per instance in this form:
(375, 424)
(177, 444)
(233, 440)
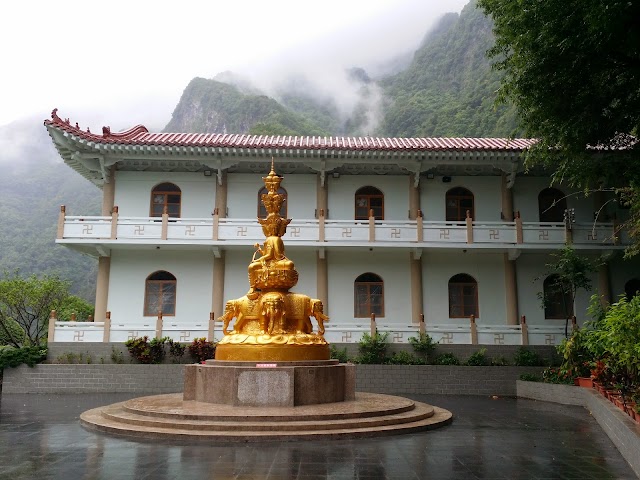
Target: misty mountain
(34, 182)
(447, 89)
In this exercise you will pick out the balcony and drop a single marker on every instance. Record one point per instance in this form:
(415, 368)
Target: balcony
(120, 230)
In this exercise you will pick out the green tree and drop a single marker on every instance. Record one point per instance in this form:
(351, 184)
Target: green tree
(572, 69)
(73, 304)
(570, 273)
(28, 301)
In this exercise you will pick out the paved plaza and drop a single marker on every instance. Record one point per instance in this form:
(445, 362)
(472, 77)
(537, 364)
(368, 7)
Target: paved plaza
(41, 438)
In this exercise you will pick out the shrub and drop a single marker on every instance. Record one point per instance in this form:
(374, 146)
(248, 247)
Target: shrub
(500, 361)
(423, 344)
(557, 375)
(373, 350)
(339, 354)
(116, 355)
(72, 358)
(405, 358)
(176, 350)
(12, 357)
(201, 349)
(478, 358)
(447, 358)
(529, 377)
(147, 351)
(527, 358)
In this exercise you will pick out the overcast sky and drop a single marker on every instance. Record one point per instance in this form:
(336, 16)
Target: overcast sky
(120, 63)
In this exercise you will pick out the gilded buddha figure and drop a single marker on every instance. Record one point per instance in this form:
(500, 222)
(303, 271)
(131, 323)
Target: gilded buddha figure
(269, 315)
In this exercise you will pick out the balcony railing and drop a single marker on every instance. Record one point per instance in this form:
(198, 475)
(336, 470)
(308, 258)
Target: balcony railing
(464, 333)
(215, 230)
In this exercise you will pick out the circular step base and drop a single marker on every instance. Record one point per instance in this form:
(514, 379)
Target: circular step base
(168, 417)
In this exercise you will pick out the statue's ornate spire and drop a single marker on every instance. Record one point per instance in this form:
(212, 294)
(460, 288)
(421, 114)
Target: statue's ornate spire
(273, 225)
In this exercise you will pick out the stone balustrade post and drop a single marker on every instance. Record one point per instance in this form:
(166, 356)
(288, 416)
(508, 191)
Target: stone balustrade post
(474, 329)
(90, 318)
(106, 334)
(159, 323)
(321, 218)
(212, 327)
(114, 222)
(372, 327)
(74, 317)
(61, 215)
(51, 332)
(420, 226)
(519, 233)
(372, 226)
(165, 224)
(574, 323)
(524, 330)
(216, 223)
(423, 328)
(469, 222)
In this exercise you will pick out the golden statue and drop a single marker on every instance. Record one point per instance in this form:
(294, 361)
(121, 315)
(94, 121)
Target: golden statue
(272, 323)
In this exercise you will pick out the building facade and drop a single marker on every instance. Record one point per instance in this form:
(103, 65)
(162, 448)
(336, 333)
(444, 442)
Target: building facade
(448, 235)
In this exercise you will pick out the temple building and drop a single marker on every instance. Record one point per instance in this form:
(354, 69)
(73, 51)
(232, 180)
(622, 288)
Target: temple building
(446, 234)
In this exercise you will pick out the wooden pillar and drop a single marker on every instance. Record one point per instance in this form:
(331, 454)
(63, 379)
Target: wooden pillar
(474, 330)
(322, 273)
(159, 325)
(524, 330)
(414, 196)
(604, 285)
(372, 326)
(511, 290)
(221, 195)
(165, 224)
(469, 223)
(109, 192)
(322, 197)
(507, 200)
(416, 288)
(217, 294)
(519, 232)
(102, 288)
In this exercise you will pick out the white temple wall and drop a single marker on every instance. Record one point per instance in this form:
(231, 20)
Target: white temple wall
(342, 191)
(525, 199)
(133, 192)
(130, 268)
(620, 272)
(486, 192)
(393, 267)
(486, 268)
(243, 188)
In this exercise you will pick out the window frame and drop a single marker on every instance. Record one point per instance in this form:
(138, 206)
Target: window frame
(368, 197)
(460, 285)
(166, 203)
(461, 211)
(358, 307)
(556, 212)
(160, 282)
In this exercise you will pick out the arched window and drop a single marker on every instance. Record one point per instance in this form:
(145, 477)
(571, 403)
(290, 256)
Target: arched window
(166, 195)
(557, 298)
(369, 198)
(458, 201)
(369, 295)
(463, 296)
(631, 288)
(262, 212)
(160, 294)
(551, 205)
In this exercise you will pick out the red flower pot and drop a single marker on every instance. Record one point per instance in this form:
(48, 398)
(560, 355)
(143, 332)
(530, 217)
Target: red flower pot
(586, 382)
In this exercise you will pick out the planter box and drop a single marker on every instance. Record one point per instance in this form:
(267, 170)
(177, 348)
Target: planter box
(586, 382)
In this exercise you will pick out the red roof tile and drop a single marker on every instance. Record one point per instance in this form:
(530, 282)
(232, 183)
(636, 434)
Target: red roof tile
(139, 135)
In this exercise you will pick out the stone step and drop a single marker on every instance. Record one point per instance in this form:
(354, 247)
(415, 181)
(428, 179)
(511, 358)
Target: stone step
(294, 423)
(93, 419)
(172, 406)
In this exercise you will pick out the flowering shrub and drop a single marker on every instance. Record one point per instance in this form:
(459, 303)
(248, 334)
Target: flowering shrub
(201, 349)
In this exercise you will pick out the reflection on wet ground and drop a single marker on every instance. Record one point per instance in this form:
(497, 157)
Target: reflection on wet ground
(41, 438)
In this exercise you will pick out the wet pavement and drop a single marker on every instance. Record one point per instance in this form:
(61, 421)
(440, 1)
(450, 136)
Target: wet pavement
(41, 438)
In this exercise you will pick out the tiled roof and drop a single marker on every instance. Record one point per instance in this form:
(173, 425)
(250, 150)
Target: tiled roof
(139, 135)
